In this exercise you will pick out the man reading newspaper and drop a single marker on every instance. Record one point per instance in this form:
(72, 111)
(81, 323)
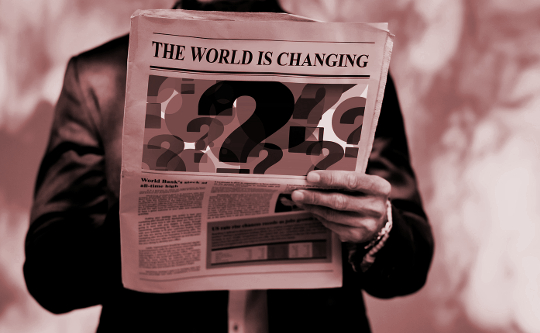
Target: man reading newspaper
(73, 250)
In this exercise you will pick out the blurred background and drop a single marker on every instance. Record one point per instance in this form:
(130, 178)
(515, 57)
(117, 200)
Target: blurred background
(468, 79)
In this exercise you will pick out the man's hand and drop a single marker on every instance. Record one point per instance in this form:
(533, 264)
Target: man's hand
(355, 210)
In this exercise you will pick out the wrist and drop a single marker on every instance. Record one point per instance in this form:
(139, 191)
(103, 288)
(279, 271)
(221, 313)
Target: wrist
(378, 241)
(384, 230)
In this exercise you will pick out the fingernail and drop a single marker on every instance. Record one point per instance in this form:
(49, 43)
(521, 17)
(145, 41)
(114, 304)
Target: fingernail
(313, 177)
(297, 196)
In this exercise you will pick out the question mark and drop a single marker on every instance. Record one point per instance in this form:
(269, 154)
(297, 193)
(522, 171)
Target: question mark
(274, 155)
(313, 102)
(346, 114)
(158, 157)
(193, 157)
(348, 118)
(274, 107)
(309, 101)
(215, 129)
(335, 154)
(316, 99)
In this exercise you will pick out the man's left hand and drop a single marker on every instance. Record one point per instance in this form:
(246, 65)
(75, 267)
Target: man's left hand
(355, 209)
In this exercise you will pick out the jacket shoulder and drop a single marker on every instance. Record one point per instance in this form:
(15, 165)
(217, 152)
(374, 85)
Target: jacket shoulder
(102, 70)
(111, 54)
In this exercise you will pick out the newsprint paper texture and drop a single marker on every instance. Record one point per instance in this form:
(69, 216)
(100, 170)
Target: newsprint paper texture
(225, 115)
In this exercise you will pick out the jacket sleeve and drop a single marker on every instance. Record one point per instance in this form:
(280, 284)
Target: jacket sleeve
(70, 250)
(402, 265)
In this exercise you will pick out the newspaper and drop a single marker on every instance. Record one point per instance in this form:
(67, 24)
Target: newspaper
(225, 115)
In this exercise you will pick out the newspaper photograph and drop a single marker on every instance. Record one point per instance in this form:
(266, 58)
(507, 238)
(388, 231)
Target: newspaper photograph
(225, 115)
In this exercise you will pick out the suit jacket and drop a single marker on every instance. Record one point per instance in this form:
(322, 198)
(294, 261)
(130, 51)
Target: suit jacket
(73, 248)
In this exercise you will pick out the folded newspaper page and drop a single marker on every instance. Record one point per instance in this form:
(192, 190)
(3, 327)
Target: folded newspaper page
(225, 115)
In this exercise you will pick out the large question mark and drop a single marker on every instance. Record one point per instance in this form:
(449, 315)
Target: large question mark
(162, 158)
(335, 154)
(274, 108)
(346, 114)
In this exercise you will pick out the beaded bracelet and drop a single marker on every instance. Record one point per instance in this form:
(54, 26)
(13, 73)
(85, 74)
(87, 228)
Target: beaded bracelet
(376, 244)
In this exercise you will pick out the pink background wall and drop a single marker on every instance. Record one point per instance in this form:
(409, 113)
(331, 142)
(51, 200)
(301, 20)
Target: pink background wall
(468, 78)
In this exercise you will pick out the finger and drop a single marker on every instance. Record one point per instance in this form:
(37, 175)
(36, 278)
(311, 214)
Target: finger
(373, 206)
(349, 234)
(327, 214)
(347, 219)
(350, 180)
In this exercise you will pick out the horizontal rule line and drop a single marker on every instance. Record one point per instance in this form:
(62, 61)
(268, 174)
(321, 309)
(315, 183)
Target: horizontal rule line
(159, 68)
(266, 40)
(233, 274)
(269, 244)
